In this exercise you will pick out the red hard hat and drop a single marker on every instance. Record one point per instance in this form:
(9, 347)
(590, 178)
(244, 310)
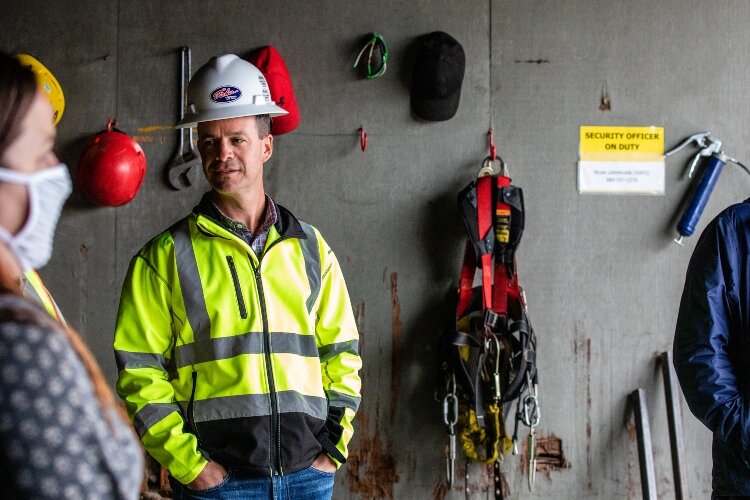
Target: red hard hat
(268, 60)
(111, 168)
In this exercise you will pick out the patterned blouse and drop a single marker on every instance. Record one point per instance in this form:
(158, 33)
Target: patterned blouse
(54, 441)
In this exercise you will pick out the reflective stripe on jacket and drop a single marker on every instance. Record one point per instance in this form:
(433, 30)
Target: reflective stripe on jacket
(712, 344)
(251, 362)
(34, 289)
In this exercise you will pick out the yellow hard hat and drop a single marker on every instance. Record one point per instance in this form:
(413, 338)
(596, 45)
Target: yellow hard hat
(47, 82)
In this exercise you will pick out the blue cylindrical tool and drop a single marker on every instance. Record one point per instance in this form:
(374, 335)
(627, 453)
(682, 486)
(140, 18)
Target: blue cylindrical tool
(700, 196)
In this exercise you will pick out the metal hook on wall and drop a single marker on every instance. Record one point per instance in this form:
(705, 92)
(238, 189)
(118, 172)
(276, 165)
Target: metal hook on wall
(362, 139)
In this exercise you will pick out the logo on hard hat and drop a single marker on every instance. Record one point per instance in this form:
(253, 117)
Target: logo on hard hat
(225, 94)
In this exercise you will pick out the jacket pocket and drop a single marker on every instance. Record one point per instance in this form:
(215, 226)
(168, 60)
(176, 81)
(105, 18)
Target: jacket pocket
(237, 289)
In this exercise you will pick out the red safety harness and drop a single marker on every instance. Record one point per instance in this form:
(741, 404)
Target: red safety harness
(492, 358)
(501, 293)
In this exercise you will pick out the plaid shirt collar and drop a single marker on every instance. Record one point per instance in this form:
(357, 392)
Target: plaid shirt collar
(258, 239)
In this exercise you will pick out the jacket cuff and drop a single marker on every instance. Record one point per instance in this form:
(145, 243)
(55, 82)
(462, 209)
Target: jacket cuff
(192, 473)
(331, 433)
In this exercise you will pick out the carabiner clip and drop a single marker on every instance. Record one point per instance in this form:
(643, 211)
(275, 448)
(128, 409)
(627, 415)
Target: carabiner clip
(487, 167)
(531, 412)
(450, 411)
(496, 373)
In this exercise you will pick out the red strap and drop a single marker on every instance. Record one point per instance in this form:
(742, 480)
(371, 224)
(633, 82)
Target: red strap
(514, 296)
(502, 235)
(502, 297)
(466, 283)
(500, 291)
(484, 219)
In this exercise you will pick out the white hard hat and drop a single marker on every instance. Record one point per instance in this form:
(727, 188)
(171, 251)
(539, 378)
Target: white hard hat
(227, 87)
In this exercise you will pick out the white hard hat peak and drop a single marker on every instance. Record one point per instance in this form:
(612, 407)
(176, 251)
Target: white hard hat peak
(227, 87)
(221, 62)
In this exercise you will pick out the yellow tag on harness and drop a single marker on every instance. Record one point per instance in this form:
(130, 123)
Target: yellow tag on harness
(502, 225)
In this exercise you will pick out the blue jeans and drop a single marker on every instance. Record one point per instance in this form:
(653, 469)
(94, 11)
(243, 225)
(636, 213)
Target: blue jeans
(307, 484)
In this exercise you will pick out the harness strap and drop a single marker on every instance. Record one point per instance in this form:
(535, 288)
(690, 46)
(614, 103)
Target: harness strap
(526, 361)
(484, 219)
(505, 280)
(466, 281)
(461, 339)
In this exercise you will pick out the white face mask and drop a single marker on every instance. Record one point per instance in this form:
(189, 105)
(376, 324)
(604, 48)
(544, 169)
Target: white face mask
(48, 190)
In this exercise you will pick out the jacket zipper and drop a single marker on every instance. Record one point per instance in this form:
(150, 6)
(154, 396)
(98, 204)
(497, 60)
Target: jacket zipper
(275, 437)
(237, 289)
(274, 451)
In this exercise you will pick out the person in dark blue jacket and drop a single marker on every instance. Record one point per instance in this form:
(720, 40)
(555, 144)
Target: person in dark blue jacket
(712, 345)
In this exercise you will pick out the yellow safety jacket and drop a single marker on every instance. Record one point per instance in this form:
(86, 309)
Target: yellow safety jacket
(252, 362)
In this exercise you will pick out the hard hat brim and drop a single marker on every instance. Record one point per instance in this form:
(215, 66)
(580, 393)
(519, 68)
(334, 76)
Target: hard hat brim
(192, 119)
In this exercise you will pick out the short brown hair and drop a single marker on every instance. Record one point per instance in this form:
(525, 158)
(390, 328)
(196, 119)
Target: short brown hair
(264, 125)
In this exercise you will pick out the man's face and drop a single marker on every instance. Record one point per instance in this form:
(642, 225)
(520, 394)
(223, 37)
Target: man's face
(233, 155)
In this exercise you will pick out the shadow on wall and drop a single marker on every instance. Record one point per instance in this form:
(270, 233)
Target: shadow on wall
(415, 374)
(69, 153)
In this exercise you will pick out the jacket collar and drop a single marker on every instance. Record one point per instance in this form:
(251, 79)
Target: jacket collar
(286, 224)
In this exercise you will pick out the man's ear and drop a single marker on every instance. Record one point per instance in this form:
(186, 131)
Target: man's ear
(267, 145)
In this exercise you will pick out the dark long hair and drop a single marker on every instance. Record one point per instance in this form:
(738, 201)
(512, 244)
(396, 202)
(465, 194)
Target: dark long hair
(18, 89)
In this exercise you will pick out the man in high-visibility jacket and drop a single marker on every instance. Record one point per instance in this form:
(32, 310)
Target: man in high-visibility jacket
(236, 343)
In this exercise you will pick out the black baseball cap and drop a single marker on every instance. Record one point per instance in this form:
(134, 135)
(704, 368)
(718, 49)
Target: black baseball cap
(437, 76)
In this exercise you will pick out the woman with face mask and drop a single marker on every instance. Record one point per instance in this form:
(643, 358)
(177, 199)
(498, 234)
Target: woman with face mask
(61, 433)
(33, 287)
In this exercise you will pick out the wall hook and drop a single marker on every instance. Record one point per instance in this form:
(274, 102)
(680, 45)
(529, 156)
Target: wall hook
(491, 137)
(362, 139)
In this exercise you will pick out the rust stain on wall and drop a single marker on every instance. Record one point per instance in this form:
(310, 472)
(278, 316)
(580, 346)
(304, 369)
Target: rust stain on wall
(411, 463)
(634, 481)
(164, 487)
(632, 431)
(370, 470)
(441, 488)
(359, 319)
(504, 486)
(589, 458)
(582, 352)
(396, 330)
(549, 455)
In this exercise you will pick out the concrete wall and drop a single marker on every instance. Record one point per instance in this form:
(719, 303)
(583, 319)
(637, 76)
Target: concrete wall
(602, 276)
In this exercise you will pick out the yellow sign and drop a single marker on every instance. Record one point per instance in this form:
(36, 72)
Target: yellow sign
(621, 143)
(621, 160)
